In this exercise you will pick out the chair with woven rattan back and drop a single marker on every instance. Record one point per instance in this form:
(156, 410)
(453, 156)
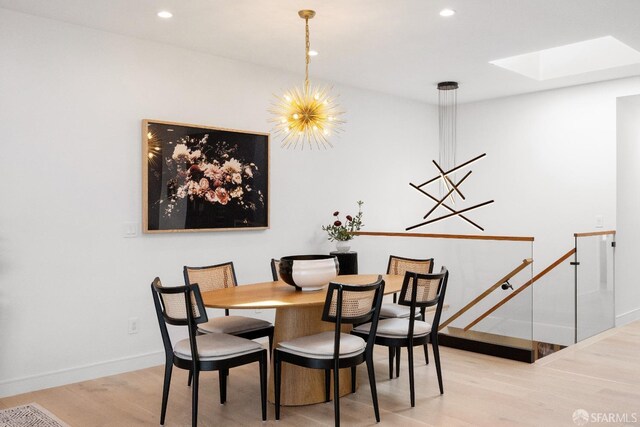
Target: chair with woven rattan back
(182, 306)
(418, 291)
(399, 266)
(222, 276)
(335, 350)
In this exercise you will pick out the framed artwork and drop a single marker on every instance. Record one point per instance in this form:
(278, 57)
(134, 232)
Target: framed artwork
(201, 178)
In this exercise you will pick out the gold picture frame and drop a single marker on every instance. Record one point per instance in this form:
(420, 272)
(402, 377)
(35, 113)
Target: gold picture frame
(203, 178)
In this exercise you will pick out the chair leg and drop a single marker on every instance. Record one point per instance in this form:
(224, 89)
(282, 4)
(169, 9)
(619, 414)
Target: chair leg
(392, 353)
(168, 367)
(222, 379)
(412, 389)
(372, 385)
(190, 378)
(327, 385)
(263, 385)
(270, 342)
(398, 362)
(436, 356)
(194, 399)
(336, 392)
(353, 379)
(426, 354)
(277, 381)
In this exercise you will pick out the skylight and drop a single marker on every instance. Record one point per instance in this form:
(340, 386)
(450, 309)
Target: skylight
(571, 59)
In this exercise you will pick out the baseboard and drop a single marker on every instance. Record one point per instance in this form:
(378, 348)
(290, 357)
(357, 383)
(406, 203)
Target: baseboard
(81, 373)
(628, 317)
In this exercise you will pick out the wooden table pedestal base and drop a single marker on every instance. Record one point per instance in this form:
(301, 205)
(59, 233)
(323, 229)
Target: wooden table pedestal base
(302, 386)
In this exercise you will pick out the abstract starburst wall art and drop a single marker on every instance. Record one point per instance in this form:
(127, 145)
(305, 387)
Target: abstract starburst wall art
(452, 189)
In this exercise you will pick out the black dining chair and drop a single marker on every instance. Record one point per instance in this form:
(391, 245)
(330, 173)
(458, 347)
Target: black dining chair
(418, 291)
(221, 276)
(399, 266)
(335, 350)
(275, 269)
(182, 306)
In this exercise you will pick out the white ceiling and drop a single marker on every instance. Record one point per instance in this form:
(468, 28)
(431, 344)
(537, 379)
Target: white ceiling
(401, 47)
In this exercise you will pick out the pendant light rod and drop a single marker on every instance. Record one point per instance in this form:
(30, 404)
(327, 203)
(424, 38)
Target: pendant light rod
(306, 14)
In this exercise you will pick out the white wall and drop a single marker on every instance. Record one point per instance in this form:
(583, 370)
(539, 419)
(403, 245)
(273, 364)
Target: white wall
(71, 104)
(628, 205)
(551, 168)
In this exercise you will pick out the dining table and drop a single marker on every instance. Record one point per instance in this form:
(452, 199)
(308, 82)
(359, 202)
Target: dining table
(298, 313)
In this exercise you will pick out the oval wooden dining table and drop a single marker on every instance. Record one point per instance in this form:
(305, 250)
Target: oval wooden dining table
(298, 314)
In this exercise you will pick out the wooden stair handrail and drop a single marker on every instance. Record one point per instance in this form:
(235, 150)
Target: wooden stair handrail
(521, 288)
(518, 269)
(444, 236)
(595, 233)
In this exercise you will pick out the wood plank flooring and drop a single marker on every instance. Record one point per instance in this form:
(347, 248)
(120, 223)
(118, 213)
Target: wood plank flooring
(600, 375)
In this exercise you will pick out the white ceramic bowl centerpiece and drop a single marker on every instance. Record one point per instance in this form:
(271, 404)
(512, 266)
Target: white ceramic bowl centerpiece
(308, 272)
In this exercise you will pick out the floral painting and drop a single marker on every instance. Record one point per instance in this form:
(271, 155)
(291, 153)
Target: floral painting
(202, 178)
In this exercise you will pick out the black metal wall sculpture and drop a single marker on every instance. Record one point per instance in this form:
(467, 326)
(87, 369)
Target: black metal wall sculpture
(451, 188)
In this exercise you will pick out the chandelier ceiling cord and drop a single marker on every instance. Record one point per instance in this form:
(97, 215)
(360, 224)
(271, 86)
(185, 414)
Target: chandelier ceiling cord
(447, 117)
(308, 116)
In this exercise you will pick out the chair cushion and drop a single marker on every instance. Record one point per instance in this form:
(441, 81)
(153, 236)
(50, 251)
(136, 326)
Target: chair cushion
(320, 346)
(388, 310)
(216, 347)
(233, 325)
(396, 328)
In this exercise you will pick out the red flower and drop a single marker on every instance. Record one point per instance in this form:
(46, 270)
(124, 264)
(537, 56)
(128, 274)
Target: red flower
(336, 213)
(337, 223)
(349, 218)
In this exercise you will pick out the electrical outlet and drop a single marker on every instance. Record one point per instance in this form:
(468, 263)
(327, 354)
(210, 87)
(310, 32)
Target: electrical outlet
(133, 325)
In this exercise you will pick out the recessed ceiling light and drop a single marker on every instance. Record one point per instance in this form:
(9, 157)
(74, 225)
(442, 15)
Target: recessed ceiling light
(165, 14)
(313, 53)
(572, 59)
(447, 12)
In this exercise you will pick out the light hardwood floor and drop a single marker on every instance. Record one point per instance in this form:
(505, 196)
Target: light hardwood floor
(599, 375)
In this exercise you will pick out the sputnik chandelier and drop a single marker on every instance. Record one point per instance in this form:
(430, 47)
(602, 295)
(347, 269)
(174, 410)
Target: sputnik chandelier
(308, 115)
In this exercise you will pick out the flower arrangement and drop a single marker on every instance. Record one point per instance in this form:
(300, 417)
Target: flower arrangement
(339, 231)
(208, 172)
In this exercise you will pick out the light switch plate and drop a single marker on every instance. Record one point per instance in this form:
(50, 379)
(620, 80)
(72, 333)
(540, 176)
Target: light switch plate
(129, 229)
(599, 221)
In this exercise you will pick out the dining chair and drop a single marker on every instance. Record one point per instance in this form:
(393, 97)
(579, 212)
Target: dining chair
(182, 306)
(275, 269)
(418, 291)
(399, 266)
(335, 350)
(221, 276)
